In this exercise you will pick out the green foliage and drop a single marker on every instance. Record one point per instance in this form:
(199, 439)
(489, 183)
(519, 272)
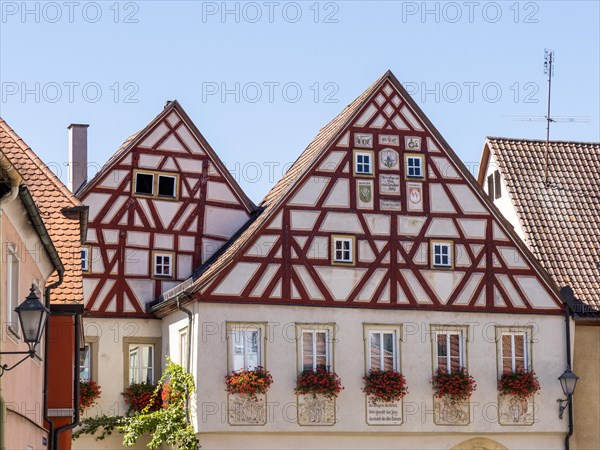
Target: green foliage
(106, 425)
(167, 425)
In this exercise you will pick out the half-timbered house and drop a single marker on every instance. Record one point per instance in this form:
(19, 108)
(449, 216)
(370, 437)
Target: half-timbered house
(377, 241)
(161, 206)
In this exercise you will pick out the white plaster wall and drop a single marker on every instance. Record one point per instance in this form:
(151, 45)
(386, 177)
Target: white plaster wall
(210, 366)
(504, 203)
(110, 334)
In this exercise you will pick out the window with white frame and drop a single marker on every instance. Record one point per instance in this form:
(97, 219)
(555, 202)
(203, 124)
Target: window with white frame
(415, 166)
(85, 259)
(449, 348)
(513, 349)
(363, 163)
(12, 288)
(441, 254)
(245, 343)
(85, 363)
(315, 349)
(167, 186)
(141, 363)
(163, 265)
(183, 344)
(382, 354)
(343, 249)
(144, 183)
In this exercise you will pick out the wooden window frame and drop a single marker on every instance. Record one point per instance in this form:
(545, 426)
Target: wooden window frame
(88, 251)
(330, 337)
(527, 333)
(155, 181)
(371, 154)
(156, 342)
(462, 331)
(370, 328)
(261, 327)
(419, 156)
(432, 247)
(343, 238)
(156, 276)
(93, 342)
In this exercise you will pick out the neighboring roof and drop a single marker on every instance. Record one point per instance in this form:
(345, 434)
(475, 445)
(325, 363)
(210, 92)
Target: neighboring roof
(561, 220)
(285, 187)
(135, 138)
(60, 211)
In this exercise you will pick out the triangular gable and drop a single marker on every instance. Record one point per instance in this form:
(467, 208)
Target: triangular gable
(392, 218)
(170, 131)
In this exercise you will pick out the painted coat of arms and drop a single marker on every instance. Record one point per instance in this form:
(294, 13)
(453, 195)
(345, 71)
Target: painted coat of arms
(364, 193)
(388, 159)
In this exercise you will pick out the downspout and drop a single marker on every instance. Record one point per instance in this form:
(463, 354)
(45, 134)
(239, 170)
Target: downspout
(568, 343)
(76, 370)
(50, 423)
(15, 181)
(188, 356)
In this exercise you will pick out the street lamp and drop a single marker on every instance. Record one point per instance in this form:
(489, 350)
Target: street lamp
(33, 316)
(568, 382)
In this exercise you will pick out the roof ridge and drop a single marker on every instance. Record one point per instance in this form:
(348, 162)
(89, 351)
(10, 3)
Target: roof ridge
(555, 141)
(39, 163)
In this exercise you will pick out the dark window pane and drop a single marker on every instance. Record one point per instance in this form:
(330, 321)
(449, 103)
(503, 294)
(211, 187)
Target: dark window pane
(166, 186)
(497, 186)
(490, 186)
(144, 183)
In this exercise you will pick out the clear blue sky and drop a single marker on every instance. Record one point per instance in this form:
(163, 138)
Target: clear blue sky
(289, 68)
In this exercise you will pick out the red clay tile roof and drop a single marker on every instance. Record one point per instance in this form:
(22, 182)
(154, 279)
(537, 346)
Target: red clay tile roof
(561, 221)
(50, 196)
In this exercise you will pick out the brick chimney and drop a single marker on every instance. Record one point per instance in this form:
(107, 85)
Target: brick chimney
(78, 158)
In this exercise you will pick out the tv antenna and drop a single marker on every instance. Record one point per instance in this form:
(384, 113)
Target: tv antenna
(549, 70)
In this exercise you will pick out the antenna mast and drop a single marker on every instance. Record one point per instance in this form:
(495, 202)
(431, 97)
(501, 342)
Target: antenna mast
(548, 70)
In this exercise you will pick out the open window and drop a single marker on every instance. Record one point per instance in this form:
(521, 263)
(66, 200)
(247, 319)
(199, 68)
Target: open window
(155, 184)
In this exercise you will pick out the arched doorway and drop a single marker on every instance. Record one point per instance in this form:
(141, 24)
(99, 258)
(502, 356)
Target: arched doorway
(479, 444)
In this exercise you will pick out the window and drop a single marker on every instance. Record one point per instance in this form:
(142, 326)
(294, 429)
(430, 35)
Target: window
(85, 259)
(494, 186)
(246, 345)
(144, 183)
(163, 265)
(183, 345)
(448, 348)
(415, 166)
(382, 350)
(513, 349)
(155, 184)
(141, 360)
(141, 363)
(441, 254)
(315, 349)
(342, 249)
(12, 288)
(363, 163)
(85, 363)
(167, 186)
